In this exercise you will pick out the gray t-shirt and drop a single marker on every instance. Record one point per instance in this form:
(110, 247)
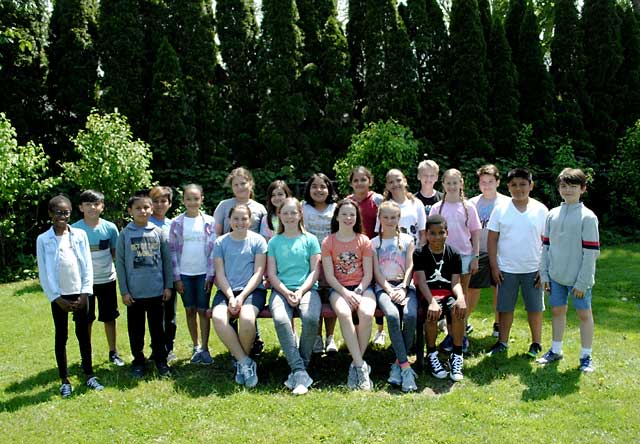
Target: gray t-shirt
(221, 214)
(239, 257)
(485, 207)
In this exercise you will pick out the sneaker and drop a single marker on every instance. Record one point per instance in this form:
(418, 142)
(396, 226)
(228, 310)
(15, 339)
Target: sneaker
(497, 348)
(94, 384)
(380, 338)
(164, 370)
(549, 357)
(301, 382)
(395, 375)
(65, 390)
(171, 356)
(534, 350)
(137, 371)
(586, 365)
(256, 349)
(446, 344)
(296, 340)
(437, 370)
(290, 382)
(249, 373)
(455, 364)
(196, 357)
(318, 346)
(408, 380)
(468, 329)
(239, 377)
(465, 344)
(363, 380)
(205, 357)
(352, 378)
(496, 330)
(115, 359)
(331, 346)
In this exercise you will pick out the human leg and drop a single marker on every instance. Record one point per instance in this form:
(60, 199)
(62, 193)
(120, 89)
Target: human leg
(282, 314)
(310, 307)
(343, 312)
(366, 309)
(393, 325)
(61, 328)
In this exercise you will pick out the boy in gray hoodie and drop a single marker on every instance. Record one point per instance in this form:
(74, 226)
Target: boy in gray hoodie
(145, 277)
(571, 246)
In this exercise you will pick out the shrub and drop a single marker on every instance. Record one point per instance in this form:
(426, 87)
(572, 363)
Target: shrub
(624, 178)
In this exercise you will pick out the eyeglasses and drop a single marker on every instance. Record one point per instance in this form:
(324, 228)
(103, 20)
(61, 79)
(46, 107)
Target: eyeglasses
(62, 213)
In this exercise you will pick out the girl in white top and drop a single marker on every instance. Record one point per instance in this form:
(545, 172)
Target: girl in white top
(412, 218)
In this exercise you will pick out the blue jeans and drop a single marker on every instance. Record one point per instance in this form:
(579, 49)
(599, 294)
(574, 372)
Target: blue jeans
(309, 308)
(401, 321)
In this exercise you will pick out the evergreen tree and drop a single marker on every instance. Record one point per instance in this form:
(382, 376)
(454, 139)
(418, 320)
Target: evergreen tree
(504, 96)
(281, 105)
(603, 54)
(627, 110)
(313, 14)
(73, 69)
(485, 18)
(512, 25)
(567, 70)
(122, 59)
(192, 35)
(471, 127)
(23, 62)
(237, 31)
(356, 40)
(427, 32)
(171, 130)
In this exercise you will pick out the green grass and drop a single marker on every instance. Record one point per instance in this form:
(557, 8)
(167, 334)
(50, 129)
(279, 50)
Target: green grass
(502, 399)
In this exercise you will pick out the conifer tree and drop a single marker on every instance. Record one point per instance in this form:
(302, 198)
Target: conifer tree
(485, 18)
(471, 127)
(504, 96)
(356, 41)
(627, 110)
(73, 69)
(171, 130)
(512, 25)
(237, 31)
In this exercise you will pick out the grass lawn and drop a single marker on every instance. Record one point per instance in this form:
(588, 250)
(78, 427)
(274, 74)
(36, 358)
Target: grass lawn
(502, 399)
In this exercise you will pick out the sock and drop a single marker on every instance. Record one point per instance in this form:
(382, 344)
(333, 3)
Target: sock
(584, 352)
(504, 343)
(405, 365)
(431, 350)
(245, 361)
(457, 349)
(556, 347)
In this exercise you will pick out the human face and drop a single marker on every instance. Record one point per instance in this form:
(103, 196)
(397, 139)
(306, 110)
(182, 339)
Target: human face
(428, 177)
(488, 185)
(241, 188)
(436, 237)
(192, 201)
(389, 220)
(347, 216)
(240, 221)
(277, 197)
(140, 212)
(396, 184)
(452, 185)
(60, 216)
(571, 193)
(160, 206)
(360, 183)
(91, 211)
(520, 189)
(289, 216)
(319, 191)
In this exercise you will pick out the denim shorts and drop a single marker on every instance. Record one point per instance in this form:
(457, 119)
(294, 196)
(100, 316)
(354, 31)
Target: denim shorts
(466, 262)
(258, 298)
(508, 292)
(194, 295)
(559, 296)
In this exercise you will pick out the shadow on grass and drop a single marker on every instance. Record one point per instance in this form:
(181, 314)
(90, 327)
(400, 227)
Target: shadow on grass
(33, 287)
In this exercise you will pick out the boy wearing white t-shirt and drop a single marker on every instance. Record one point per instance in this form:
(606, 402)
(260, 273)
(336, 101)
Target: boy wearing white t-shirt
(514, 246)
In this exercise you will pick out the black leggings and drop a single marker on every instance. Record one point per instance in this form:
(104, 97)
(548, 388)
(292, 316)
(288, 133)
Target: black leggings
(61, 325)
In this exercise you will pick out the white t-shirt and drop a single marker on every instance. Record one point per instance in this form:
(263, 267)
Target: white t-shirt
(412, 219)
(318, 222)
(193, 260)
(520, 241)
(68, 268)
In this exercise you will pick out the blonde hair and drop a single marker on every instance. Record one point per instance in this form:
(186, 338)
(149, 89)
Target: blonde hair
(452, 172)
(387, 193)
(243, 173)
(428, 164)
(390, 205)
(298, 205)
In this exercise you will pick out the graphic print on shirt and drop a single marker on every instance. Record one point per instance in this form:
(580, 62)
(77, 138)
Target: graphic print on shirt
(347, 262)
(437, 273)
(145, 252)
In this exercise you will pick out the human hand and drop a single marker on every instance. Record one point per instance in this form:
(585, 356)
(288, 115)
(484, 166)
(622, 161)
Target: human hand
(473, 266)
(179, 286)
(352, 298)
(497, 275)
(166, 294)
(398, 296)
(460, 309)
(127, 299)
(208, 285)
(234, 306)
(577, 293)
(81, 302)
(547, 287)
(434, 311)
(65, 304)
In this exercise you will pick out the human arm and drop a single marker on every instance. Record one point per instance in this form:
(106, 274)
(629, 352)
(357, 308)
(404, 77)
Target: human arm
(590, 253)
(121, 270)
(167, 269)
(460, 307)
(475, 245)
(223, 285)
(255, 279)
(492, 251)
(352, 298)
(175, 250)
(545, 279)
(43, 271)
(433, 310)
(277, 284)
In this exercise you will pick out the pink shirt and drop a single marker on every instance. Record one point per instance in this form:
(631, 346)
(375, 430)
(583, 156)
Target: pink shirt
(460, 224)
(347, 257)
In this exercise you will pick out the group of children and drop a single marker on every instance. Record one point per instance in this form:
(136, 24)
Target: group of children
(394, 252)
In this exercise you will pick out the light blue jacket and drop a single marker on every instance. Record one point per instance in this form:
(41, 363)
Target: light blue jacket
(48, 255)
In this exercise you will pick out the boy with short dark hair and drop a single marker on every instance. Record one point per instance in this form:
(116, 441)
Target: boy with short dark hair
(103, 236)
(514, 244)
(437, 268)
(571, 246)
(145, 276)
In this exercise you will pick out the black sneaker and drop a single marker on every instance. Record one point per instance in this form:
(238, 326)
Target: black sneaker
(496, 330)
(534, 350)
(137, 371)
(468, 329)
(115, 359)
(497, 348)
(164, 370)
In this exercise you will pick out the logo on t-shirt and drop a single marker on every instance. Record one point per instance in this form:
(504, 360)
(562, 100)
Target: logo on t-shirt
(347, 262)
(145, 252)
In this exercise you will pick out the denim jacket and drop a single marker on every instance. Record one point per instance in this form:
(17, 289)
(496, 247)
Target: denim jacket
(176, 242)
(48, 255)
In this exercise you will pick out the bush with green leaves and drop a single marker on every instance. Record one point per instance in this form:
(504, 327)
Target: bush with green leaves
(109, 161)
(380, 147)
(624, 179)
(24, 181)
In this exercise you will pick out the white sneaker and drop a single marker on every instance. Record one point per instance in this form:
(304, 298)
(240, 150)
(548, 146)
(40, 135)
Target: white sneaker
(380, 338)
(352, 378)
(296, 340)
(249, 373)
(94, 384)
(301, 381)
(363, 380)
(331, 346)
(318, 346)
(455, 363)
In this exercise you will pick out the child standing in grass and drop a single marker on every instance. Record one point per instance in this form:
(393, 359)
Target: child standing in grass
(191, 240)
(103, 236)
(66, 276)
(348, 267)
(240, 257)
(571, 246)
(143, 266)
(293, 263)
(392, 268)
